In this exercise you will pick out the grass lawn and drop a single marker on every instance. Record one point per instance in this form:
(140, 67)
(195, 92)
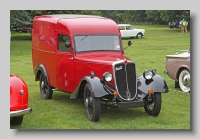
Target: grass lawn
(64, 113)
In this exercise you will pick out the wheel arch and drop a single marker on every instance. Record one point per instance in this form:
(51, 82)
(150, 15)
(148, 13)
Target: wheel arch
(139, 34)
(96, 86)
(81, 89)
(41, 69)
(179, 71)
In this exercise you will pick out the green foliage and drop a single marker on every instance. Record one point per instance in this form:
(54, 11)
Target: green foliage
(64, 113)
(20, 17)
(24, 17)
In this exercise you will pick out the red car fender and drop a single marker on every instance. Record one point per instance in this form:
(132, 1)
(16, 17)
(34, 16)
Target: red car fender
(18, 93)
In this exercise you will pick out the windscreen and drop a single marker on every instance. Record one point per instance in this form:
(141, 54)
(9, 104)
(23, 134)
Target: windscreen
(87, 43)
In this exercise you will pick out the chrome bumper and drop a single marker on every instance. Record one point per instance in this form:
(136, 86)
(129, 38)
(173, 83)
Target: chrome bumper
(20, 112)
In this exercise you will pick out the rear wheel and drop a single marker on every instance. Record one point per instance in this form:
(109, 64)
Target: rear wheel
(45, 89)
(184, 80)
(16, 120)
(153, 108)
(92, 104)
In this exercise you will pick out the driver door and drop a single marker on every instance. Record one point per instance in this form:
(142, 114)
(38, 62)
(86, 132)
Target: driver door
(65, 72)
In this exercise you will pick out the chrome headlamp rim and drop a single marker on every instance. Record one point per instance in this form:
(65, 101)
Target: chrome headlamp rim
(107, 77)
(148, 74)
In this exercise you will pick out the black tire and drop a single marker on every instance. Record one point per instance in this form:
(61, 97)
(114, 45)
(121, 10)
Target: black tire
(176, 84)
(91, 104)
(16, 120)
(45, 89)
(184, 80)
(139, 36)
(154, 108)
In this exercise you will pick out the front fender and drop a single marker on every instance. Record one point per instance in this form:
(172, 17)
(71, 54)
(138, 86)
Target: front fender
(157, 83)
(97, 87)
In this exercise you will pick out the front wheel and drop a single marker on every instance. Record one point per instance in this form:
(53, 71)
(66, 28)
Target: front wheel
(16, 120)
(92, 104)
(139, 35)
(153, 108)
(184, 80)
(45, 89)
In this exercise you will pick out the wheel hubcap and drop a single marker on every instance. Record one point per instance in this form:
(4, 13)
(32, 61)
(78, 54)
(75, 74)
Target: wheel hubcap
(86, 102)
(186, 80)
(42, 84)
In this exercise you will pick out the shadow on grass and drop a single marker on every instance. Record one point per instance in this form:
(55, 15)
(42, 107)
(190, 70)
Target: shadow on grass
(64, 98)
(111, 113)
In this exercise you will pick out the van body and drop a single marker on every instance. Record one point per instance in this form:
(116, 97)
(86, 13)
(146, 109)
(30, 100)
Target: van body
(83, 55)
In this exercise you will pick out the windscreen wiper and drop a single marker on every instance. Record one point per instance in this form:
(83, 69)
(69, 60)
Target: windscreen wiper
(82, 39)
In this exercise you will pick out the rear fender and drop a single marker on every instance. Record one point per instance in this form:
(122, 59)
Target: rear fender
(18, 93)
(41, 70)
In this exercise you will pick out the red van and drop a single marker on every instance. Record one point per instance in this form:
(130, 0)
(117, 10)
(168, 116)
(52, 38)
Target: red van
(83, 55)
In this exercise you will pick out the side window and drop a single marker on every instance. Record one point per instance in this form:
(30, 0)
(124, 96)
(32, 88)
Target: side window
(61, 43)
(122, 28)
(128, 27)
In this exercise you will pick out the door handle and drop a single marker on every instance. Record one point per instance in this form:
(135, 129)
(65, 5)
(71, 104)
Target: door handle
(71, 58)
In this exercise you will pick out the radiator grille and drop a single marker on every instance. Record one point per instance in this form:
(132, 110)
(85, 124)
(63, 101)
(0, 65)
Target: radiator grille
(125, 79)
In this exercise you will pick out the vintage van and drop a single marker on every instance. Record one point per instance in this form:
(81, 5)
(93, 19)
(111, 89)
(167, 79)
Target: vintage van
(83, 55)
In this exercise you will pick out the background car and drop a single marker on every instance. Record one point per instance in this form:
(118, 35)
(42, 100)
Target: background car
(18, 100)
(178, 69)
(173, 25)
(24, 29)
(127, 31)
(177, 24)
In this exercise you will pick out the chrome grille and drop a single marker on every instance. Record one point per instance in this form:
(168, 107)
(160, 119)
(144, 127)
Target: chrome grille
(125, 79)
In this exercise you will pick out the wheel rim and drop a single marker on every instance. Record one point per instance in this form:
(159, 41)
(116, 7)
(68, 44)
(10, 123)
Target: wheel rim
(43, 86)
(89, 104)
(139, 36)
(150, 106)
(184, 81)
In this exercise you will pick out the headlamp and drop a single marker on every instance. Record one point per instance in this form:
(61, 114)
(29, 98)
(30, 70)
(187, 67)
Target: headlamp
(148, 74)
(107, 76)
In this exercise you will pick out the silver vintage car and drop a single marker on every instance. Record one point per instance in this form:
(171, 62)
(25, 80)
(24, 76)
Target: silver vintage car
(178, 69)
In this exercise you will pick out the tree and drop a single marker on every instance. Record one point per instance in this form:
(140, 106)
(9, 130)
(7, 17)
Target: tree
(20, 17)
(24, 17)
(153, 16)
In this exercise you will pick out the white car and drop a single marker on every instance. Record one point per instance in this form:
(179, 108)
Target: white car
(127, 31)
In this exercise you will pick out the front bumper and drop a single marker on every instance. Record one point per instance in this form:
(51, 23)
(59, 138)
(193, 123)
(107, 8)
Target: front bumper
(20, 112)
(131, 104)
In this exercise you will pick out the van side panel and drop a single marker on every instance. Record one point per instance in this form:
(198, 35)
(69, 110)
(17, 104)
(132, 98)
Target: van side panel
(44, 48)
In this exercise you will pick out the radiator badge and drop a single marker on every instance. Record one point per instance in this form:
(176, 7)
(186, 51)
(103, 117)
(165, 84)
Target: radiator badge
(118, 68)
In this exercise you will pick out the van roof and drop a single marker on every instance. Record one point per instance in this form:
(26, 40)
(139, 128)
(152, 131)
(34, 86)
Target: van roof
(81, 24)
(55, 17)
(73, 16)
